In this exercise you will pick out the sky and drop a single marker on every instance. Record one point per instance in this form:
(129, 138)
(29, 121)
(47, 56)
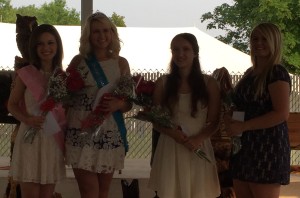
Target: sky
(149, 13)
(163, 19)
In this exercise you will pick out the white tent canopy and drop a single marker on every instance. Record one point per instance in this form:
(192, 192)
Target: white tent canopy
(144, 48)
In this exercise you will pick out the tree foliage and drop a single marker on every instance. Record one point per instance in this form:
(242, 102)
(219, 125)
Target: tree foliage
(7, 12)
(238, 20)
(55, 12)
(118, 20)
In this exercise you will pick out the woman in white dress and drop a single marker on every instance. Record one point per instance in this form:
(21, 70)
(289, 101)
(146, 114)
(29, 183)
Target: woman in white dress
(194, 102)
(94, 158)
(38, 165)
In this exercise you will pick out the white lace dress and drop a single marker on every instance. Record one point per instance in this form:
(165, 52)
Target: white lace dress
(40, 162)
(179, 173)
(105, 152)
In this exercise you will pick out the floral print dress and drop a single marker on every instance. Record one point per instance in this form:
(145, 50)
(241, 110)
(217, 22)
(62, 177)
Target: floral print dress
(101, 153)
(265, 153)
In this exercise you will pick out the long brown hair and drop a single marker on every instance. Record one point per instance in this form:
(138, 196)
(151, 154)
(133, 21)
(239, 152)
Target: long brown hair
(195, 79)
(33, 42)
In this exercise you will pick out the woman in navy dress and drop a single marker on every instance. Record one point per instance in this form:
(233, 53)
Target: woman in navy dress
(263, 163)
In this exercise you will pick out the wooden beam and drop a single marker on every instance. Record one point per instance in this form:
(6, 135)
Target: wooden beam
(86, 10)
(294, 130)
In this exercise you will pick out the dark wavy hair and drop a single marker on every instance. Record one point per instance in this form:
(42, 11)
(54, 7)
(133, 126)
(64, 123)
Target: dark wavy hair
(195, 79)
(33, 42)
(223, 77)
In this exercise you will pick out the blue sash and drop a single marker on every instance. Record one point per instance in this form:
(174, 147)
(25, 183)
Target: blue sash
(101, 80)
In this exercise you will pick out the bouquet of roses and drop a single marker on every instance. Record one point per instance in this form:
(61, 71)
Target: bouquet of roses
(60, 87)
(123, 90)
(56, 91)
(156, 115)
(151, 113)
(143, 91)
(74, 80)
(161, 116)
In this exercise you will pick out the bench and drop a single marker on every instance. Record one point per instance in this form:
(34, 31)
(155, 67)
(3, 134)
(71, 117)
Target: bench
(294, 130)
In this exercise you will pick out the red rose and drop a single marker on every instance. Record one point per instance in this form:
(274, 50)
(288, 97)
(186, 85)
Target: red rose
(74, 80)
(70, 67)
(145, 87)
(149, 87)
(48, 105)
(138, 78)
(97, 116)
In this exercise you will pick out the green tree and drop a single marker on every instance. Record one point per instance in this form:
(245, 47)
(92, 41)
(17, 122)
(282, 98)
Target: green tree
(57, 13)
(30, 10)
(238, 20)
(118, 20)
(7, 12)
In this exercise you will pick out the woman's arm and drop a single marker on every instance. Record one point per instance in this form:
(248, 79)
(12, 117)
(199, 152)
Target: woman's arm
(124, 66)
(279, 93)
(17, 95)
(176, 134)
(116, 103)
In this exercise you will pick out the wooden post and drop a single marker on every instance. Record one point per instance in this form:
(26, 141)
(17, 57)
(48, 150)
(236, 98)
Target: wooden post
(294, 130)
(86, 10)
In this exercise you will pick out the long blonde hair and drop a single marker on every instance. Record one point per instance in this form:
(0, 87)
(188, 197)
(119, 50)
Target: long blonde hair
(85, 48)
(274, 39)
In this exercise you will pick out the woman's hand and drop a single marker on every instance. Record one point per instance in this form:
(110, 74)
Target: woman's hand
(233, 127)
(193, 142)
(111, 104)
(178, 136)
(35, 121)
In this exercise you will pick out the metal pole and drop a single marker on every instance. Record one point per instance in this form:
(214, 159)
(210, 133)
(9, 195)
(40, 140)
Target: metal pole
(86, 10)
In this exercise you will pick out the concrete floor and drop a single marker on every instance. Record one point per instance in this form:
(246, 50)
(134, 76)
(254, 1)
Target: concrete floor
(139, 169)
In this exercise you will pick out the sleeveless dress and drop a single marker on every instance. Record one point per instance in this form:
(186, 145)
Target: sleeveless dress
(177, 172)
(265, 153)
(104, 152)
(40, 162)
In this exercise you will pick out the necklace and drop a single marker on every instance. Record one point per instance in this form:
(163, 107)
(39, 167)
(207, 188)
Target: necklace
(47, 74)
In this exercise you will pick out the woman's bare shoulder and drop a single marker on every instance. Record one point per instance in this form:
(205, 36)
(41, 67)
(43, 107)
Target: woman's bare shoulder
(124, 65)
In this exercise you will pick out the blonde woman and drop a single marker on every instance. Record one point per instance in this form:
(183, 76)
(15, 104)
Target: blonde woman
(263, 163)
(95, 158)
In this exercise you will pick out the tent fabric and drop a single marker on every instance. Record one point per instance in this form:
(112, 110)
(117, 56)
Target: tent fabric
(144, 48)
